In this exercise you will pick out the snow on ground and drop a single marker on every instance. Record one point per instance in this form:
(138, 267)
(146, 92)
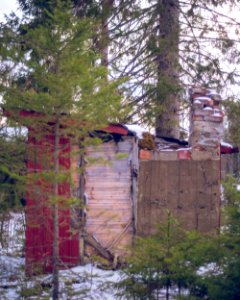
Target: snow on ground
(13, 234)
(82, 282)
(208, 269)
(79, 283)
(92, 282)
(11, 276)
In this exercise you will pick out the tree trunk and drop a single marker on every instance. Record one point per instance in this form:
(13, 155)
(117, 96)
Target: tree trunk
(2, 221)
(167, 293)
(55, 215)
(107, 6)
(82, 217)
(167, 121)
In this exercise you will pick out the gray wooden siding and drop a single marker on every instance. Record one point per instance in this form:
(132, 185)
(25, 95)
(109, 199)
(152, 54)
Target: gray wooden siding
(108, 186)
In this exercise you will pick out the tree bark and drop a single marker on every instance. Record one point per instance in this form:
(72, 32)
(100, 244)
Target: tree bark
(82, 217)
(55, 293)
(2, 221)
(167, 121)
(107, 7)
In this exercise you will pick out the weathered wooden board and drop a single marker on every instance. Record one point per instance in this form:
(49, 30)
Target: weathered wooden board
(189, 189)
(108, 187)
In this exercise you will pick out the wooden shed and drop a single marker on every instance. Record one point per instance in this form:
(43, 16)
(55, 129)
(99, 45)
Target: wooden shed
(112, 209)
(110, 194)
(105, 225)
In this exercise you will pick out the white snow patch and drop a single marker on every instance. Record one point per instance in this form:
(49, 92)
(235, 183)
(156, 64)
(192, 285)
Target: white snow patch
(211, 268)
(208, 108)
(138, 130)
(13, 234)
(197, 102)
(185, 149)
(11, 276)
(226, 145)
(203, 99)
(11, 262)
(82, 282)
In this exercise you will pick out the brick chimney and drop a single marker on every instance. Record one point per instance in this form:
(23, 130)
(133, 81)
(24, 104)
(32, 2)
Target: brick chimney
(206, 122)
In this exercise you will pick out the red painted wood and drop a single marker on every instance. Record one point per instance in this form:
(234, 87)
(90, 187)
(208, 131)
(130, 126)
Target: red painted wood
(229, 150)
(39, 221)
(116, 128)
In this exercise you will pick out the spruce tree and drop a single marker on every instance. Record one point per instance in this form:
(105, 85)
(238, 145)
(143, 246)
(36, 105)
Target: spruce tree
(223, 281)
(164, 265)
(49, 68)
(12, 170)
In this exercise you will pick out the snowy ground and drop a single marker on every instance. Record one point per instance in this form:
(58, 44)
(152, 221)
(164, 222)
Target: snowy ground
(79, 283)
(13, 235)
(83, 282)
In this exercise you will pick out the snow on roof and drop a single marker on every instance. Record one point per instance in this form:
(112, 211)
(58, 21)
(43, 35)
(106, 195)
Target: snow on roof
(226, 145)
(207, 108)
(138, 130)
(197, 101)
(217, 115)
(184, 149)
(202, 98)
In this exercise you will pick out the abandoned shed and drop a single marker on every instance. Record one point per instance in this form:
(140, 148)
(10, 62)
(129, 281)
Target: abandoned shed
(125, 186)
(104, 224)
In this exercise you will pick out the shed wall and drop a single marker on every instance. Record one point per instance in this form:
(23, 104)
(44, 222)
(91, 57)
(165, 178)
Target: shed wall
(189, 189)
(110, 194)
(39, 210)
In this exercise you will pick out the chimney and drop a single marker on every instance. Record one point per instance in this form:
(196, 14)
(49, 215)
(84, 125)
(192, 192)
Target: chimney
(206, 123)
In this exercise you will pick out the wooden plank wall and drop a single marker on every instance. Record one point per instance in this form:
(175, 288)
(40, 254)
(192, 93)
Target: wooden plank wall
(190, 189)
(108, 186)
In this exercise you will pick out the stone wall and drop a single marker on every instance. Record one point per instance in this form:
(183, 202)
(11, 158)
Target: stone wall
(206, 123)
